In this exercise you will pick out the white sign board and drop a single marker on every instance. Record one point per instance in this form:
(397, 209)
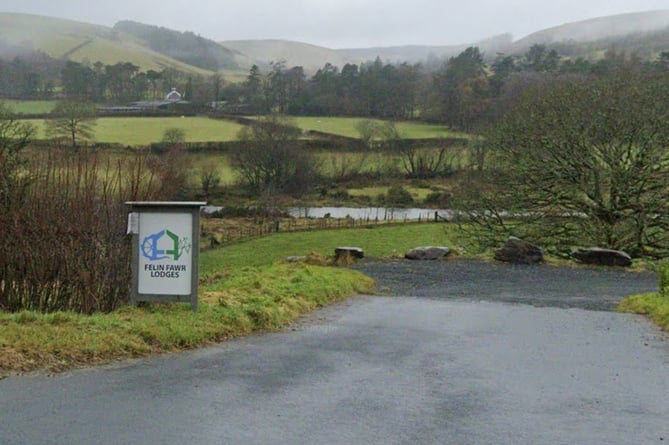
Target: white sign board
(165, 253)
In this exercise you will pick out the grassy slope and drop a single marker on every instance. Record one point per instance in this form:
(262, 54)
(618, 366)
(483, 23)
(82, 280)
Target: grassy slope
(310, 57)
(84, 42)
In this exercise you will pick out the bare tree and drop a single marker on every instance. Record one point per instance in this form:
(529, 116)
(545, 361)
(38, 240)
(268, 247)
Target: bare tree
(72, 121)
(171, 165)
(589, 155)
(14, 137)
(271, 160)
(209, 178)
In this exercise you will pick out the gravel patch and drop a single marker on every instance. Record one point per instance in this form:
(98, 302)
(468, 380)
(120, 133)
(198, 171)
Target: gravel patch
(598, 289)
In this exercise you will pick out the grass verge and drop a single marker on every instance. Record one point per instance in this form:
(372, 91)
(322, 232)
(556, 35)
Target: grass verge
(386, 241)
(653, 305)
(233, 302)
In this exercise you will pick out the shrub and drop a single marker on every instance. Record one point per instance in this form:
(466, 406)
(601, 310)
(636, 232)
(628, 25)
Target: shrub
(63, 242)
(398, 196)
(440, 198)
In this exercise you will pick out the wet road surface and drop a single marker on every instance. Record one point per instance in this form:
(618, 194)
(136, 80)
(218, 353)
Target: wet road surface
(374, 370)
(582, 287)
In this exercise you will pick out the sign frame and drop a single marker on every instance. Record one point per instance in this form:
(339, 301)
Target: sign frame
(161, 215)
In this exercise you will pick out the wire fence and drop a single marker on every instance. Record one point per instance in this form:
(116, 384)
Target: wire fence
(224, 231)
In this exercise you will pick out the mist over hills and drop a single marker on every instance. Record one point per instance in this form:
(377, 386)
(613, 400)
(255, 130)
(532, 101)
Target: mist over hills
(600, 28)
(184, 46)
(154, 47)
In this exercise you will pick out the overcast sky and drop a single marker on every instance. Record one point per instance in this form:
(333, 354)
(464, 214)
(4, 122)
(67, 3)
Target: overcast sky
(340, 23)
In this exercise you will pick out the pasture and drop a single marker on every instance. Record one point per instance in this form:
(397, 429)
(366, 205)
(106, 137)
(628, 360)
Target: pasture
(347, 126)
(138, 131)
(31, 106)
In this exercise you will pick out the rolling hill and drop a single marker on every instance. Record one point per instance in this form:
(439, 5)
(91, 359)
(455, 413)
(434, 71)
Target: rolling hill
(185, 47)
(262, 52)
(80, 42)
(312, 57)
(645, 33)
(153, 47)
(600, 28)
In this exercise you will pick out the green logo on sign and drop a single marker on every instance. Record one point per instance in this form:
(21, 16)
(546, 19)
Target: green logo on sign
(164, 245)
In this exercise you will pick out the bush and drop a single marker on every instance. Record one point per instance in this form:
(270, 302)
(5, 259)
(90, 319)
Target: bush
(440, 198)
(398, 196)
(63, 240)
(271, 160)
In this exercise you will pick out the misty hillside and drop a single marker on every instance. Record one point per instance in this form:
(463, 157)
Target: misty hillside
(186, 47)
(601, 28)
(312, 57)
(420, 53)
(262, 52)
(79, 42)
(154, 47)
(644, 33)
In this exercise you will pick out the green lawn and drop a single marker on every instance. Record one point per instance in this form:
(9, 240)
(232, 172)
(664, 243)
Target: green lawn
(379, 242)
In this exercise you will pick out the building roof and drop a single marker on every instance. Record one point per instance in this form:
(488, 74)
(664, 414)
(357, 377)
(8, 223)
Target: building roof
(173, 96)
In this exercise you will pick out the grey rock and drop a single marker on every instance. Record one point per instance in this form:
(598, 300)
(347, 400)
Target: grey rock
(427, 253)
(602, 257)
(351, 252)
(518, 251)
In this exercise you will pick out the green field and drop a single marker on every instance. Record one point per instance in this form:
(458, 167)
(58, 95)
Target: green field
(31, 106)
(380, 242)
(137, 131)
(346, 126)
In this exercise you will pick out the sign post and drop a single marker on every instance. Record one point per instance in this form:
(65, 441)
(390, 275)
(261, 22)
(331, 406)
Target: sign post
(165, 248)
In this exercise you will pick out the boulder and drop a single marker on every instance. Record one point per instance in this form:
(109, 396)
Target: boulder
(427, 253)
(348, 253)
(602, 257)
(518, 251)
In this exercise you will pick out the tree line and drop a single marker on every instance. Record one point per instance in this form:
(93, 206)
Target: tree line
(464, 91)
